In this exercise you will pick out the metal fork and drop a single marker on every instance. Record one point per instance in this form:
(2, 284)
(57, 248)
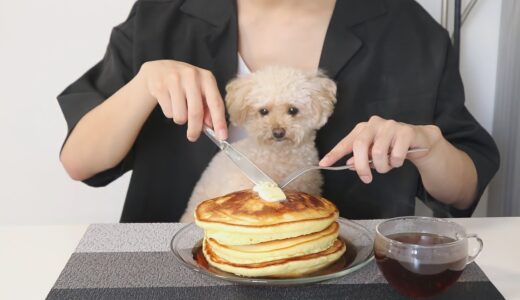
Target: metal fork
(291, 177)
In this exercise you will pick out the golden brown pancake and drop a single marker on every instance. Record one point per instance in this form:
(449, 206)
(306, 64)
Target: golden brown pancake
(288, 267)
(276, 249)
(248, 236)
(243, 218)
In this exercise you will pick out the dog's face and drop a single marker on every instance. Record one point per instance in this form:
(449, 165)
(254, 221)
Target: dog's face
(281, 105)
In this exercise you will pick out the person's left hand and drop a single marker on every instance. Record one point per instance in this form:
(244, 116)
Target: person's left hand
(386, 142)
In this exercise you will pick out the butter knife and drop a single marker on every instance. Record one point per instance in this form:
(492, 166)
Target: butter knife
(243, 163)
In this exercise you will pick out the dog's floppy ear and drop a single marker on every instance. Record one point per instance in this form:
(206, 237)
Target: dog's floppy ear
(237, 91)
(323, 97)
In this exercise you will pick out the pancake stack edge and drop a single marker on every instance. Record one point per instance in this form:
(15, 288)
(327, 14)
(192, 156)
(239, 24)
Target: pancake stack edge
(250, 237)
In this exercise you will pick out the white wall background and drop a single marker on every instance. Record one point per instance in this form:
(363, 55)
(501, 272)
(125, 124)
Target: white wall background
(44, 45)
(478, 66)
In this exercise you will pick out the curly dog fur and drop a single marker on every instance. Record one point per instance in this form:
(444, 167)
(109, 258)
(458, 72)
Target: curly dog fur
(281, 109)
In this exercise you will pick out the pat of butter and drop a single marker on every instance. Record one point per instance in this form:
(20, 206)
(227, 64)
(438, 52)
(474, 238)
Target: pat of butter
(269, 191)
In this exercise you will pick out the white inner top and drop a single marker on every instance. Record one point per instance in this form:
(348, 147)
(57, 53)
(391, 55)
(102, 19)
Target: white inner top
(237, 133)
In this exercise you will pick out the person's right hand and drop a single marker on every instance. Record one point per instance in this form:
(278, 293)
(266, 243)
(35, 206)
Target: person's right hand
(186, 94)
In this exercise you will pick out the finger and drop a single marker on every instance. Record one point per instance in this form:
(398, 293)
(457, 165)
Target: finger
(178, 101)
(381, 147)
(215, 104)
(207, 117)
(350, 162)
(361, 148)
(343, 148)
(195, 108)
(401, 145)
(163, 98)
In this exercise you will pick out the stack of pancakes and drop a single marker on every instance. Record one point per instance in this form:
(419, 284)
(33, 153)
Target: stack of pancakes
(248, 236)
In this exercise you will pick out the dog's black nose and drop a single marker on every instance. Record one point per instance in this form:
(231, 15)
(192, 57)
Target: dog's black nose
(278, 133)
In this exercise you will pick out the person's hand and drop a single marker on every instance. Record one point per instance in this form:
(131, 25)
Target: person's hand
(386, 142)
(186, 93)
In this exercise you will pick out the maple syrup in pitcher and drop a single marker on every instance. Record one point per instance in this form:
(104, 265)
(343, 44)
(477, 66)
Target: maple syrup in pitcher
(421, 256)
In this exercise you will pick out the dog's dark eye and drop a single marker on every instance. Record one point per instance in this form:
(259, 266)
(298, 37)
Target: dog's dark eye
(263, 111)
(293, 111)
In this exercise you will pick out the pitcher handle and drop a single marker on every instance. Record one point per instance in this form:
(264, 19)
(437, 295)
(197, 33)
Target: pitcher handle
(472, 258)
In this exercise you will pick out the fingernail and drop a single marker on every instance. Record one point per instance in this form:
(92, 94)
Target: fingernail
(324, 161)
(366, 179)
(221, 134)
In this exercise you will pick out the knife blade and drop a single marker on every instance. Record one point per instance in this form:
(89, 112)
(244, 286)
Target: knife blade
(251, 171)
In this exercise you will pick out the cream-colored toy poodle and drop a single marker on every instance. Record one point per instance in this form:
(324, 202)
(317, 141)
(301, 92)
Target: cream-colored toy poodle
(281, 109)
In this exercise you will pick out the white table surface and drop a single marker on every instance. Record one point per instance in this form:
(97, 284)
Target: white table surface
(32, 257)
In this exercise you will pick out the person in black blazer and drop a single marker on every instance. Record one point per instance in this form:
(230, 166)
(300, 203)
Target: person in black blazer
(142, 107)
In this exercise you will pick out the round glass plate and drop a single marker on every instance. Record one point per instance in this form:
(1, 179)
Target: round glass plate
(186, 245)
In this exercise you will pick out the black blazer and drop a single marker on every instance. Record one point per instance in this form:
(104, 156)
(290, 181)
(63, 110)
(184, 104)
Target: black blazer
(388, 57)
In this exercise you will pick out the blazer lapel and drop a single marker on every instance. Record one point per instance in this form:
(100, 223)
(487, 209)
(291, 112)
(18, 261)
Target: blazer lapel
(221, 37)
(341, 44)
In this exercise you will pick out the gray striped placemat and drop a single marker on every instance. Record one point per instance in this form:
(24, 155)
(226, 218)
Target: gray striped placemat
(133, 261)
